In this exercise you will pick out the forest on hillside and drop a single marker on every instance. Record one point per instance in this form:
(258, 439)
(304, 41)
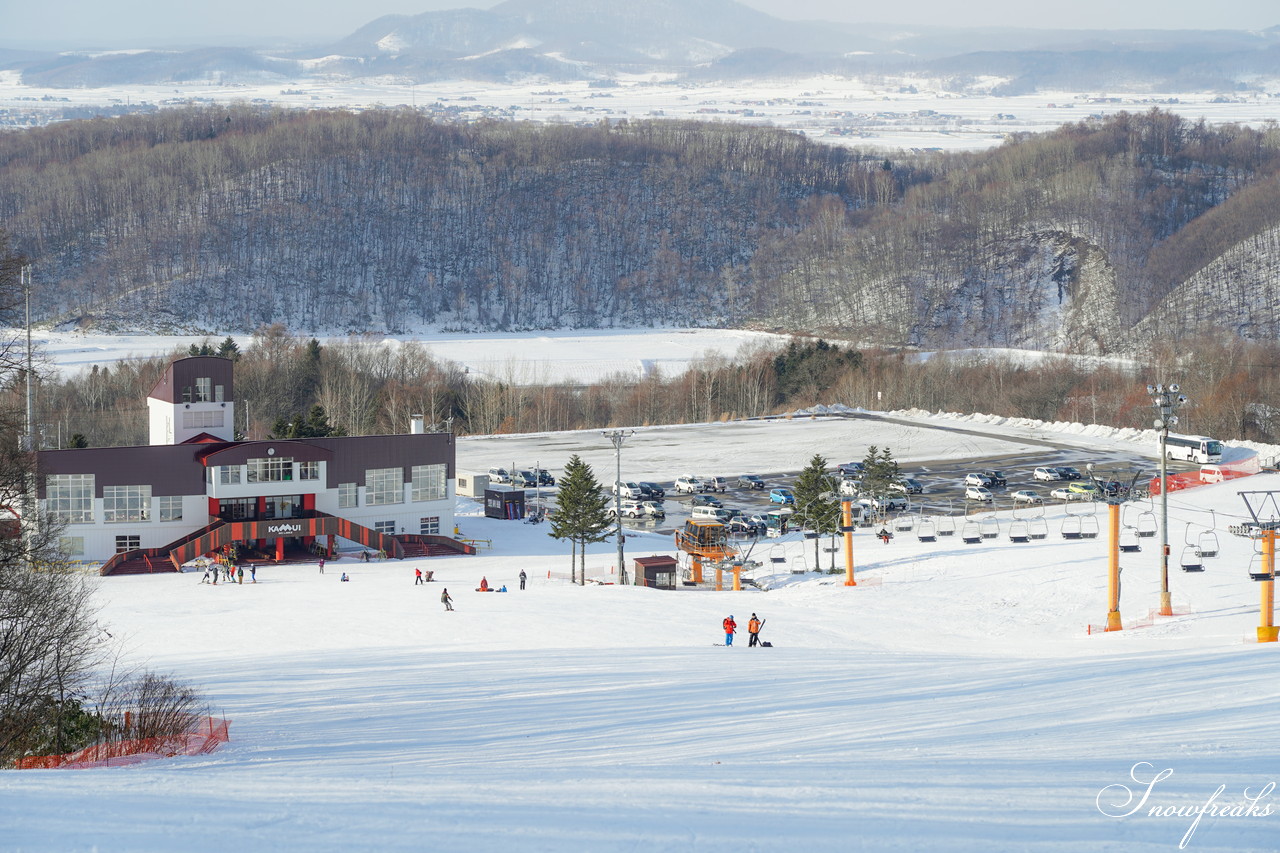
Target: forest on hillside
(226, 219)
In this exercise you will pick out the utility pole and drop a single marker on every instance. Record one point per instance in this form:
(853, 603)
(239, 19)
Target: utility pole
(28, 445)
(1165, 400)
(618, 436)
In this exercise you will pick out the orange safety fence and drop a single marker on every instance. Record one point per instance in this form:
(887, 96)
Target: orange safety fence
(1216, 473)
(205, 736)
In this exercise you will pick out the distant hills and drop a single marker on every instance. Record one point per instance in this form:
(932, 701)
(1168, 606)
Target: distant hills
(698, 39)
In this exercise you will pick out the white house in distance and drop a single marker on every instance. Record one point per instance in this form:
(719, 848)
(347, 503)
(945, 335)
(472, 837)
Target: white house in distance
(196, 491)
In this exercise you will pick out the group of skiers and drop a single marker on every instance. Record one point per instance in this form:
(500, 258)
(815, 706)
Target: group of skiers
(229, 573)
(753, 628)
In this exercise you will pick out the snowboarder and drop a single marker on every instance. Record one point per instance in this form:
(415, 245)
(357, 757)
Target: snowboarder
(446, 600)
(523, 577)
(753, 627)
(730, 628)
(417, 576)
(345, 578)
(322, 565)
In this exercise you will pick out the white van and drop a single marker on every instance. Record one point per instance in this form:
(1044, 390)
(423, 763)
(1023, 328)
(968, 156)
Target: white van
(628, 491)
(711, 513)
(1212, 474)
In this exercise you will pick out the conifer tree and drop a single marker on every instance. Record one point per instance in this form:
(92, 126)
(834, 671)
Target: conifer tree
(582, 512)
(817, 500)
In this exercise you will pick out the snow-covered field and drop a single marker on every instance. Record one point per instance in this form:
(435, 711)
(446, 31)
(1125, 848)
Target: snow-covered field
(901, 112)
(953, 700)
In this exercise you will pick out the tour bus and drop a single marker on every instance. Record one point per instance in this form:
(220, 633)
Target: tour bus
(1194, 448)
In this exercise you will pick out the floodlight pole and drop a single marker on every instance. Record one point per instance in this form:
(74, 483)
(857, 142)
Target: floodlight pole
(618, 436)
(1165, 400)
(27, 523)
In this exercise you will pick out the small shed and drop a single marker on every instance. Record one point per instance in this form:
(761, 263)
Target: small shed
(503, 503)
(472, 485)
(659, 571)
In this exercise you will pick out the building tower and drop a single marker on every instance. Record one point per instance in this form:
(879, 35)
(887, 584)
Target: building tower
(194, 396)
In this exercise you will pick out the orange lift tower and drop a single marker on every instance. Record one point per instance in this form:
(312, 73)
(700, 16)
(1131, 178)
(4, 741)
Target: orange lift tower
(705, 540)
(1114, 494)
(846, 527)
(1264, 528)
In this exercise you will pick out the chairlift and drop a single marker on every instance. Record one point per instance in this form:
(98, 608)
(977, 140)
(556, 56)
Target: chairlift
(990, 527)
(777, 554)
(1037, 528)
(1255, 569)
(946, 526)
(904, 523)
(1019, 531)
(1146, 524)
(927, 530)
(1190, 559)
(1071, 527)
(1089, 527)
(1129, 540)
(971, 533)
(1207, 544)
(799, 565)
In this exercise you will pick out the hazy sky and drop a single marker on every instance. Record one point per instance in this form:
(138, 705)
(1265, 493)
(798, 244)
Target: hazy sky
(115, 23)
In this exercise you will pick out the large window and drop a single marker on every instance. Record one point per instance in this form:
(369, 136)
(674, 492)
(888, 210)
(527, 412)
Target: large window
(429, 482)
(229, 475)
(72, 546)
(429, 526)
(347, 495)
(129, 542)
(387, 527)
(201, 420)
(383, 486)
(126, 503)
(70, 498)
(308, 470)
(204, 390)
(272, 469)
(169, 508)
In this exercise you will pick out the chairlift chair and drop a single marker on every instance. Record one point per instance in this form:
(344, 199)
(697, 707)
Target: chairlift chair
(1019, 531)
(946, 526)
(990, 527)
(904, 523)
(1037, 528)
(777, 554)
(1207, 544)
(1129, 540)
(1190, 560)
(971, 534)
(1071, 527)
(927, 530)
(1088, 527)
(1146, 524)
(1255, 569)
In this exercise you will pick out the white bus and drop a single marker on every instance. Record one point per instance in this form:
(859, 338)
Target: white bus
(1194, 448)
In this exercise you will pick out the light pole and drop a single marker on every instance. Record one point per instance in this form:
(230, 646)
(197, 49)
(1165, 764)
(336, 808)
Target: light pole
(1165, 400)
(617, 436)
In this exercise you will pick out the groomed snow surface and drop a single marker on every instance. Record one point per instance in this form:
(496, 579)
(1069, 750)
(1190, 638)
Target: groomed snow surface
(953, 700)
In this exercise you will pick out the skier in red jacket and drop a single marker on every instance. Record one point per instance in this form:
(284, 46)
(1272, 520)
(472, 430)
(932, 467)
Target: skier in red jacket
(730, 627)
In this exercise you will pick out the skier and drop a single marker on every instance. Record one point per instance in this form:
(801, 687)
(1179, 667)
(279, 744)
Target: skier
(885, 535)
(753, 627)
(417, 576)
(523, 576)
(240, 575)
(253, 573)
(322, 565)
(730, 628)
(446, 600)
(205, 579)
(345, 578)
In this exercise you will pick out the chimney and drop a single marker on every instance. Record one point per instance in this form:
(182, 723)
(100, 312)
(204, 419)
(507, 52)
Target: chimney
(417, 425)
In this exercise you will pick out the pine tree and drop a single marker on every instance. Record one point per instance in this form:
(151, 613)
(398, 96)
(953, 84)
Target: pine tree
(582, 512)
(229, 349)
(817, 499)
(880, 472)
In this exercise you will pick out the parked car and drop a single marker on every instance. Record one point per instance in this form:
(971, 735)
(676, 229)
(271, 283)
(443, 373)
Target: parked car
(705, 500)
(977, 480)
(688, 485)
(995, 478)
(715, 484)
(544, 477)
(630, 509)
(1086, 490)
(525, 479)
(907, 486)
(850, 469)
(499, 476)
(1062, 493)
(744, 526)
(1045, 474)
(711, 513)
(782, 496)
(750, 481)
(653, 509)
(1114, 488)
(1066, 472)
(887, 503)
(977, 493)
(652, 491)
(1026, 496)
(627, 490)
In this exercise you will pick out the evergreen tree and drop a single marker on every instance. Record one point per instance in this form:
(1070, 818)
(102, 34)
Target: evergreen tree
(881, 471)
(229, 349)
(314, 425)
(817, 499)
(582, 512)
(78, 440)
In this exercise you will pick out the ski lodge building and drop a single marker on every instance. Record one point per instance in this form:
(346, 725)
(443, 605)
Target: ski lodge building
(196, 491)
